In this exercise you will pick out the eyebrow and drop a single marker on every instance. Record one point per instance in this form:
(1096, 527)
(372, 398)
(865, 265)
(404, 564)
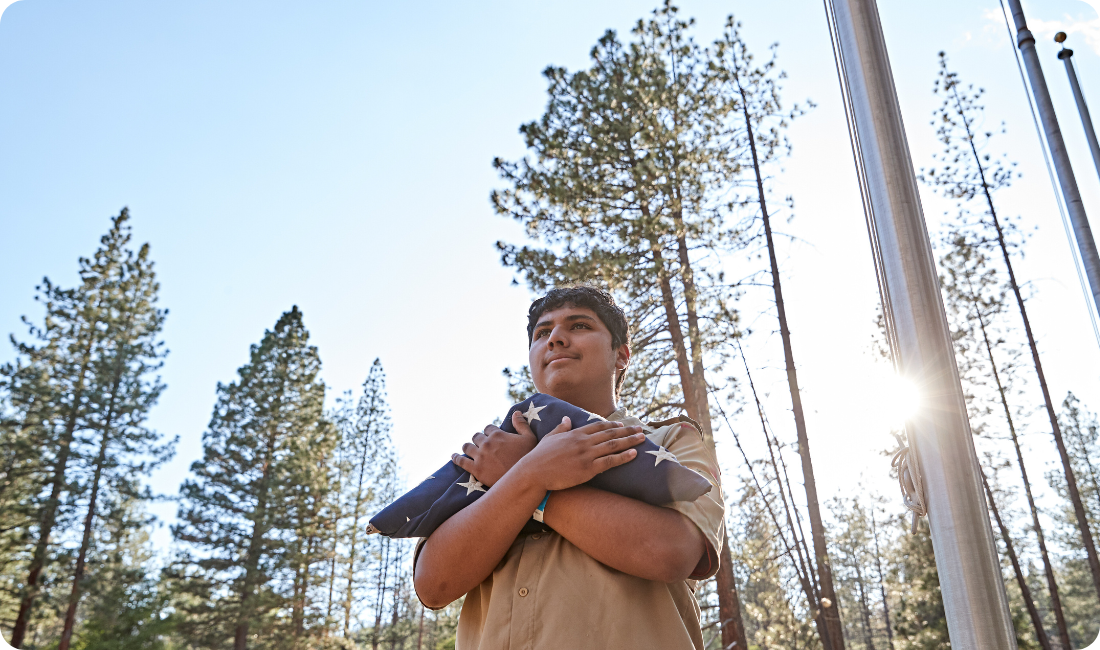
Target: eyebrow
(573, 317)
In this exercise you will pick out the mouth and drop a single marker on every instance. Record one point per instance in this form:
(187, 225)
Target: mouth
(556, 360)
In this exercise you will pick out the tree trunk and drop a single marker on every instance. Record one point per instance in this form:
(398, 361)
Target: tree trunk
(1071, 480)
(729, 606)
(817, 527)
(381, 601)
(353, 546)
(49, 512)
(255, 545)
(864, 610)
(85, 542)
(729, 602)
(420, 633)
(1029, 602)
(1048, 568)
(881, 583)
(804, 566)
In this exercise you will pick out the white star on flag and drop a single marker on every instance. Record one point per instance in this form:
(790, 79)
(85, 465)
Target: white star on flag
(426, 480)
(662, 454)
(593, 416)
(532, 413)
(472, 485)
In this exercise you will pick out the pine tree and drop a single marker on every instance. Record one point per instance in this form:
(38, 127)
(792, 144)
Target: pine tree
(56, 391)
(1081, 430)
(371, 481)
(634, 182)
(968, 175)
(760, 105)
(121, 392)
(976, 298)
(241, 516)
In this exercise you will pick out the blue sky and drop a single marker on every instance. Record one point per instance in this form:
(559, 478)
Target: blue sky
(336, 156)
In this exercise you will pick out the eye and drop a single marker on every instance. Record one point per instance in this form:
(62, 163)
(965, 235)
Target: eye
(541, 333)
(581, 325)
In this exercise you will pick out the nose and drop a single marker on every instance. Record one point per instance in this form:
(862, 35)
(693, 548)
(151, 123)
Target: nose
(557, 338)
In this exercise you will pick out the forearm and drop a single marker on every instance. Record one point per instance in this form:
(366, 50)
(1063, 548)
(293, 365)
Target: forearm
(466, 548)
(646, 541)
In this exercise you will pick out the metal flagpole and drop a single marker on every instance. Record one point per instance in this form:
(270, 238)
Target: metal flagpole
(966, 556)
(1066, 55)
(1081, 229)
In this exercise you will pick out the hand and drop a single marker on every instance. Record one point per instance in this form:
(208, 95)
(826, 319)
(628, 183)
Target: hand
(494, 451)
(567, 457)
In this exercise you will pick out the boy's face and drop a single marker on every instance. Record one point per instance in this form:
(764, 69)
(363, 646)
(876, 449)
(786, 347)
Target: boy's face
(571, 356)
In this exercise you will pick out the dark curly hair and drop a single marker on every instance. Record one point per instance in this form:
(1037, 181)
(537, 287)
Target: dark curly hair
(588, 297)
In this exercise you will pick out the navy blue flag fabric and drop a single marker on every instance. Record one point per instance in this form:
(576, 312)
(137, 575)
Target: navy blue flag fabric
(653, 476)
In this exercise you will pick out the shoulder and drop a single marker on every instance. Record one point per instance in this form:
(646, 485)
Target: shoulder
(680, 431)
(683, 437)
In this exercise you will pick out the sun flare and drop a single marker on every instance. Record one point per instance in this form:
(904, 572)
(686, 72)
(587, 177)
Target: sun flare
(890, 399)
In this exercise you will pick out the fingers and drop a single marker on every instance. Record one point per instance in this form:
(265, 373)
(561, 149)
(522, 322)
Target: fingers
(463, 462)
(611, 434)
(618, 444)
(597, 427)
(470, 449)
(480, 438)
(605, 463)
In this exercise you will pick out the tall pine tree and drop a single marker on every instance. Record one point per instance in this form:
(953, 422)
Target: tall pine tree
(122, 390)
(60, 407)
(241, 516)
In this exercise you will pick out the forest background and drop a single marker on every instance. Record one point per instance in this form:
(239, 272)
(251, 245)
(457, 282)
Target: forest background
(339, 160)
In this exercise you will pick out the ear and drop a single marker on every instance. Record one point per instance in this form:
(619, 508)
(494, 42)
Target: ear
(622, 357)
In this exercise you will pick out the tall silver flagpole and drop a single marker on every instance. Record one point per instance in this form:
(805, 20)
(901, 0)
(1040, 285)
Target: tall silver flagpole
(1066, 55)
(966, 557)
(1076, 208)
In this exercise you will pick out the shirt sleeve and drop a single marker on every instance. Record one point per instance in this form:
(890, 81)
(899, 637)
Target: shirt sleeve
(708, 512)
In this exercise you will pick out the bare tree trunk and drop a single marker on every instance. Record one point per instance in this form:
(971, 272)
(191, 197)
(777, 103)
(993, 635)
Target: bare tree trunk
(729, 602)
(1048, 568)
(1025, 591)
(353, 547)
(1056, 430)
(803, 566)
(882, 583)
(864, 609)
(817, 526)
(420, 632)
(381, 601)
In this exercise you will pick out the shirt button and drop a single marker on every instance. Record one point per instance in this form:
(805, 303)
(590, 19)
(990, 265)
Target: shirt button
(523, 591)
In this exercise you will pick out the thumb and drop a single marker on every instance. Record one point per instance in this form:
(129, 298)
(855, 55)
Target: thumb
(522, 427)
(566, 425)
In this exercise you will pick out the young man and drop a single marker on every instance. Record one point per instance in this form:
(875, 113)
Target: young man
(615, 572)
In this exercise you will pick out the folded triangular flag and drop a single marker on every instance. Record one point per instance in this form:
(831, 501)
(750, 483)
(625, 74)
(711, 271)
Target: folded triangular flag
(653, 476)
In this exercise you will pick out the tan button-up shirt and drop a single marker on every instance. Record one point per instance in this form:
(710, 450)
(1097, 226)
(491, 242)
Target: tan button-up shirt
(548, 594)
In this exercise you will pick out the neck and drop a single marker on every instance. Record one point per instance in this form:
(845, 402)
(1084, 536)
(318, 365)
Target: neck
(599, 402)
